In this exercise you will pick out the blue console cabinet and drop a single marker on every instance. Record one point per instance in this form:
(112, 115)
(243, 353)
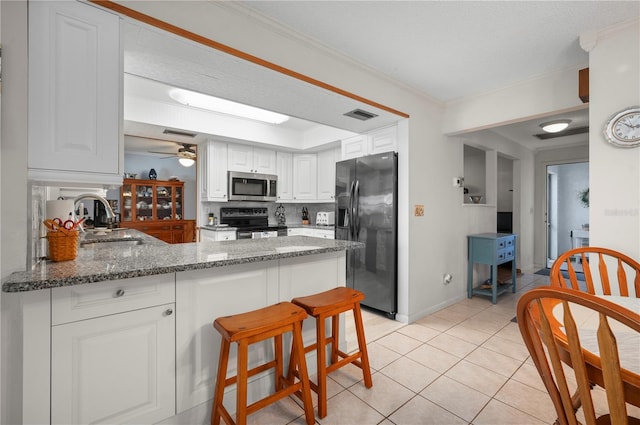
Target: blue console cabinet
(492, 249)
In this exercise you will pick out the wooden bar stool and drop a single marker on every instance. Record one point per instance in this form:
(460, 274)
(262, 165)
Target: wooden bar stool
(322, 306)
(251, 327)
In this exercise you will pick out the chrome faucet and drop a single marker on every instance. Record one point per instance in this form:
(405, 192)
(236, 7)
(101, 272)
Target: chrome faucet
(110, 214)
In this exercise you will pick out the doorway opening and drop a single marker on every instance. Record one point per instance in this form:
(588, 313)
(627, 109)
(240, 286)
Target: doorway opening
(567, 213)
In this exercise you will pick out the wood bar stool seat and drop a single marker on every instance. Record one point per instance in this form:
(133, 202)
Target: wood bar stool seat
(322, 306)
(249, 328)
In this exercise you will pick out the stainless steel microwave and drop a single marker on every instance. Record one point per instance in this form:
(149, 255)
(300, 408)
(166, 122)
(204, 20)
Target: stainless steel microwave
(252, 186)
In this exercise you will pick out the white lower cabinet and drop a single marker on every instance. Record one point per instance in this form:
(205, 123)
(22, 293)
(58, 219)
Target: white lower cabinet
(113, 351)
(217, 235)
(313, 232)
(114, 369)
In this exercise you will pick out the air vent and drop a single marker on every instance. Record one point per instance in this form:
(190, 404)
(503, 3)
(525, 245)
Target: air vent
(179, 133)
(360, 114)
(568, 132)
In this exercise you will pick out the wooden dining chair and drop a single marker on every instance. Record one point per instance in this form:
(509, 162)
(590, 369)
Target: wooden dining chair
(606, 272)
(553, 341)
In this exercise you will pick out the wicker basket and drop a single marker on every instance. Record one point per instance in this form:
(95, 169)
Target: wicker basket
(63, 244)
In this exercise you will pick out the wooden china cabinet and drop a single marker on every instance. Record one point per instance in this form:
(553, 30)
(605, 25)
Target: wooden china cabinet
(156, 207)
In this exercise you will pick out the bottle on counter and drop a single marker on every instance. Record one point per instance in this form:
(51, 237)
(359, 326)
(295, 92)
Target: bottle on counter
(211, 220)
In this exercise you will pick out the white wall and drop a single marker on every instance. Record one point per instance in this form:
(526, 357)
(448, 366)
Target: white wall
(13, 194)
(614, 84)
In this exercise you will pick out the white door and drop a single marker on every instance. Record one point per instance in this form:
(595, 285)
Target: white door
(567, 214)
(113, 369)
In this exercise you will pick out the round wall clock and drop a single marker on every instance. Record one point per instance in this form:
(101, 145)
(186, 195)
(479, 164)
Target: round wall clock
(623, 129)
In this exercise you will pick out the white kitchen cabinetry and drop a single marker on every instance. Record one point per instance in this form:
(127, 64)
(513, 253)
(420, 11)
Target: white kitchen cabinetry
(113, 352)
(251, 160)
(207, 234)
(285, 175)
(325, 233)
(75, 91)
(354, 147)
(327, 174)
(377, 141)
(305, 177)
(383, 140)
(213, 171)
(312, 232)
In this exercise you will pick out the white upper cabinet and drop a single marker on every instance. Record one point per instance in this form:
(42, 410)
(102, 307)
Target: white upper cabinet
(305, 172)
(75, 92)
(285, 176)
(251, 160)
(213, 171)
(383, 140)
(377, 141)
(354, 147)
(327, 174)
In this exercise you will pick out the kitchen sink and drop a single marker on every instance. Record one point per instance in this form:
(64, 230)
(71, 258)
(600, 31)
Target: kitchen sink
(115, 243)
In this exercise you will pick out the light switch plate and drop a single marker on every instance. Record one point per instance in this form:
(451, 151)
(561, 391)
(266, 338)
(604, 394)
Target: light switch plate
(419, 211)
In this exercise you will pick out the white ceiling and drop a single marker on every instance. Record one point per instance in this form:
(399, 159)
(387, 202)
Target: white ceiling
(445, 49)
(452, 49)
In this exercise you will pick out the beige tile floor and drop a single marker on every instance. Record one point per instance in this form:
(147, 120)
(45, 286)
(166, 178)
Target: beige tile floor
(465, 364)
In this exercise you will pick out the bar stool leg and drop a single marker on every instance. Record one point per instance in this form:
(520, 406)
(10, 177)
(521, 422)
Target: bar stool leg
(321, 350)
(220, 382)
(299, 354)
(277, 353)
(335, 338)
(241, 383)
(362, 345)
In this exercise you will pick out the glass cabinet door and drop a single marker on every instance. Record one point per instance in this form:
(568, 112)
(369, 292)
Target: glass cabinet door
(178, 203)
(164, 202)
(126, 203)
(144, 202)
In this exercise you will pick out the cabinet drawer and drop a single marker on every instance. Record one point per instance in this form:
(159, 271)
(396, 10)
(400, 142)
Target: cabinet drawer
(504, 255)
(72, 303)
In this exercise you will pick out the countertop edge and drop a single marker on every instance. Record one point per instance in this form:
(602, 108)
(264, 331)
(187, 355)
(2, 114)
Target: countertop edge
(22, 283)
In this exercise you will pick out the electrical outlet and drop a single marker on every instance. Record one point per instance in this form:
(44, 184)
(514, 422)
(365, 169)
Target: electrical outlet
(419, 211)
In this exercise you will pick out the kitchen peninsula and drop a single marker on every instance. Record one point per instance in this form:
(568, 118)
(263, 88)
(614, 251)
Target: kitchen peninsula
(124, 332)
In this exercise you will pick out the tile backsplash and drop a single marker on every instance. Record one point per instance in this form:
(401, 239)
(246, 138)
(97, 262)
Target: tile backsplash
(293, 212)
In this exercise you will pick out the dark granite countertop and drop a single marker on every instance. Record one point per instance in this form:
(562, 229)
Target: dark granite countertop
(95, 263)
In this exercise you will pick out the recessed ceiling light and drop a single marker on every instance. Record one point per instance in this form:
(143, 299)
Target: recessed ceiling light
(215, 104)
(555, 126)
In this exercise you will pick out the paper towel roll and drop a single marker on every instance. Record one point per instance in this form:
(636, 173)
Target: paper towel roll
(60, 208)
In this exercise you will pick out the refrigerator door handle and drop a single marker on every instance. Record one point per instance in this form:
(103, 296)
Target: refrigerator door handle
(356, 197)
(350, 222)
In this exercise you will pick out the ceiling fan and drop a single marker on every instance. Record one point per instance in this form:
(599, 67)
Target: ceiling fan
(186, 154)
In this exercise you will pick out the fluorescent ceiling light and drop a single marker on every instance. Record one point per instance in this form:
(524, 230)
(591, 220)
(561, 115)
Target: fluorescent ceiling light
(555, 126)
(186, 162)
(214, 104)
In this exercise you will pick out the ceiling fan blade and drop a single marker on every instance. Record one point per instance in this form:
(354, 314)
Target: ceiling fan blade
(164, 153)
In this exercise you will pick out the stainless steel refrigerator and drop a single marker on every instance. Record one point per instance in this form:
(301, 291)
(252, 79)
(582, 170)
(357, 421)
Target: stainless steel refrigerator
(366, 211)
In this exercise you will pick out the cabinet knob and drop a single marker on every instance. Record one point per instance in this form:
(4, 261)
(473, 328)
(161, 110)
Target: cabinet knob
(119, 292)
(168, 312)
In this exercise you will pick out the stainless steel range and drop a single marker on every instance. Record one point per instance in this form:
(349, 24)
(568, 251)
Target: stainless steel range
(252, 223)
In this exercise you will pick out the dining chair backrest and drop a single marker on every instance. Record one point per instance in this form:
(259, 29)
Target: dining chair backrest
(546, 320)
(606, 272)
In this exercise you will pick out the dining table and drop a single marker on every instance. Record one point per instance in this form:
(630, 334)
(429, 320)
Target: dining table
(627, 339)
